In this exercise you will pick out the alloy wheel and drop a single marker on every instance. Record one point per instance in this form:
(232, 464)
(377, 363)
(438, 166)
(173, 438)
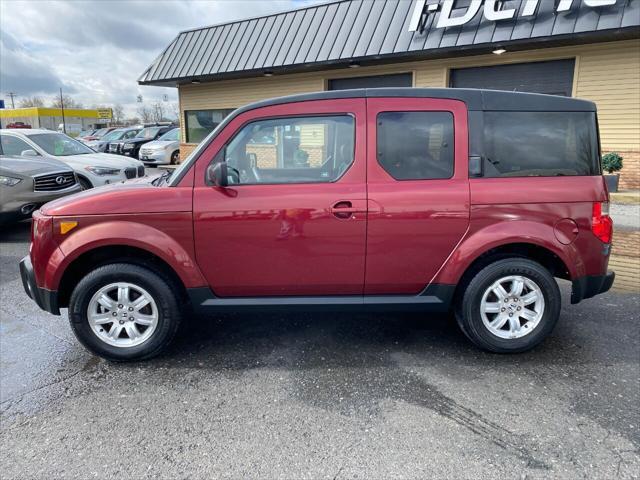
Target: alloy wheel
(512, 307)
(123, 314)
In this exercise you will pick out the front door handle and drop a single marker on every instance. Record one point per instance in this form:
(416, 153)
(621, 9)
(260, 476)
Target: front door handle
(345, 209)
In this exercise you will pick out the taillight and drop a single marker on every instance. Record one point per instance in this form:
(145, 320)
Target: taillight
(601, 223)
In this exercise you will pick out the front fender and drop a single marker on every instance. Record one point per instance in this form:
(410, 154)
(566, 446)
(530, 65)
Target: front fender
(168, 237)
(483, 239)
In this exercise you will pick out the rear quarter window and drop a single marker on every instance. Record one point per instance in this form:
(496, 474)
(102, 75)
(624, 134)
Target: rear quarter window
(541, 144)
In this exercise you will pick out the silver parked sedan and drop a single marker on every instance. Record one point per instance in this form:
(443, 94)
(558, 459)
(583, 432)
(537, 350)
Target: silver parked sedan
(163, 151)
(27, 183)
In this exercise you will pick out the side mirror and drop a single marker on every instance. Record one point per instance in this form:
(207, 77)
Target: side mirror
(218, 175)
(29, 153)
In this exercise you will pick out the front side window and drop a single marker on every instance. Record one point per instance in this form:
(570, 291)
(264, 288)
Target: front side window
(416, 145)
(292, 150)
(148, 133)
(13, 145)
(129, 134)
(200, 123)
(59, 144)
(540, 144)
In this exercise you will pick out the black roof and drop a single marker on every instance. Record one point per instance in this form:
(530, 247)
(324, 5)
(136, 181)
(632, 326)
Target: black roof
(330, 35)
(475, 99)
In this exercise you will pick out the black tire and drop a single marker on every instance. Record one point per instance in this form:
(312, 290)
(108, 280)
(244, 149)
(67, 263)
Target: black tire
(162, 291)
(84, 183)
(175, 157)
(469, 316)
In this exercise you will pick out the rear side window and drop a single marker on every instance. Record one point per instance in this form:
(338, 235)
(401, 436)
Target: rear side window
(416, 145)
(542, 144)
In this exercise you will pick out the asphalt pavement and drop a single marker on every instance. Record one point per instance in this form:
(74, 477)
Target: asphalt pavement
(319, 396)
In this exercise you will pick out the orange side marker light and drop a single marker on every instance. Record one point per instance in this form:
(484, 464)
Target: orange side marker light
(65, 227)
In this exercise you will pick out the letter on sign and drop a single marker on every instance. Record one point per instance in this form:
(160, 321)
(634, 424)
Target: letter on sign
(599, 3)
(445, 15)
(493, 14)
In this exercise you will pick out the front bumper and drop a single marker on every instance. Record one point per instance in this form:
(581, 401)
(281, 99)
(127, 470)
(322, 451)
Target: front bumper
(590, 286)
(155, 157)
(45, 299)
(12, 205)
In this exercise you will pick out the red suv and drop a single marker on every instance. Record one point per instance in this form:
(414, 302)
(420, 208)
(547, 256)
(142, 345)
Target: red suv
(421, 199)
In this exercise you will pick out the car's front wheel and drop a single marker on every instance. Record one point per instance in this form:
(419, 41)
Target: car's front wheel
(509, 306)
(124, 312)
(84, 183)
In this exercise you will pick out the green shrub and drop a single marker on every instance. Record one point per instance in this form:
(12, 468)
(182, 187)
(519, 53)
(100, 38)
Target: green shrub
(612, 162)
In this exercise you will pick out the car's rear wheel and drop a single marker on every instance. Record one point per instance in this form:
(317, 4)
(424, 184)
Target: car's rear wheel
(509, 306)
(124, 312)
(175, 157)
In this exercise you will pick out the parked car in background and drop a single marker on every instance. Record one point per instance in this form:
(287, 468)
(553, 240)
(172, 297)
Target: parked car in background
(431, 200)
(117, 134)
(71, 129)
(98, 134)
(85, 134)
(131, 147)
(18, 125)
(163, 151)
(92, 168)
(26, 183)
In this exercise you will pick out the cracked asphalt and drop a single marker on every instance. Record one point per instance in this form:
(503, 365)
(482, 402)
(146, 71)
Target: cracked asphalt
(319, 396)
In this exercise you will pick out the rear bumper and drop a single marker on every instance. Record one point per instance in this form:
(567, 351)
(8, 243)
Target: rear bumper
(45, 299)
(590, 286)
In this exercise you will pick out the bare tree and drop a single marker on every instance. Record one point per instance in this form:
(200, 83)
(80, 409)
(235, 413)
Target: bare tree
(118, 114)
(175, 109)
(158, 111)
(31, 102)
(145, 113)
(69, 102)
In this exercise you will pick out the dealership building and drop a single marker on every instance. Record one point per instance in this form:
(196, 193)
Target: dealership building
(582, 48)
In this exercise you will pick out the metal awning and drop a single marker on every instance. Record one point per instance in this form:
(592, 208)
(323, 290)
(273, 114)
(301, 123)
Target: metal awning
(332, 35)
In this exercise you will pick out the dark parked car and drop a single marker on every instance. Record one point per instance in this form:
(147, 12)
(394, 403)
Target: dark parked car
(102, 144)
(398, 199)
(131, 146)
(26, 183)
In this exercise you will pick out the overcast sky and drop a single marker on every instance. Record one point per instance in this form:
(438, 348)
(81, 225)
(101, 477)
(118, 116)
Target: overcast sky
(96, 49)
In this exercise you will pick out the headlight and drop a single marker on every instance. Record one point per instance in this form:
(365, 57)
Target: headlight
(9, 181)
(103, 170)
(128, 146)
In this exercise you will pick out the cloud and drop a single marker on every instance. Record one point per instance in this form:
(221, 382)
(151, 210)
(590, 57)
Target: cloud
(22, 71)
(96, 49)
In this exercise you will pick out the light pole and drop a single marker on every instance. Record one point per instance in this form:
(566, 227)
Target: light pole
(64, 126)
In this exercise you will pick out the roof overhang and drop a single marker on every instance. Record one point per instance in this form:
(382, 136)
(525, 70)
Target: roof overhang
(335, 35)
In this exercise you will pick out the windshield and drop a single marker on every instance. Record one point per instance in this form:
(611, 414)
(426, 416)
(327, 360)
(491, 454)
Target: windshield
(114, 135)
(100, 133)
(147, 133)
(85, 133)
(59, 144)
(171, 136)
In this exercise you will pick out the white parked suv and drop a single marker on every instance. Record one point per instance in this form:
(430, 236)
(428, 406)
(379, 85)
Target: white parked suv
(92, 168)
(163, 151)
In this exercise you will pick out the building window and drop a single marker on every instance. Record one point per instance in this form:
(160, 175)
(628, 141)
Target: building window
(200, 123)
(292, 150)
(416, 145)
(373, 81)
